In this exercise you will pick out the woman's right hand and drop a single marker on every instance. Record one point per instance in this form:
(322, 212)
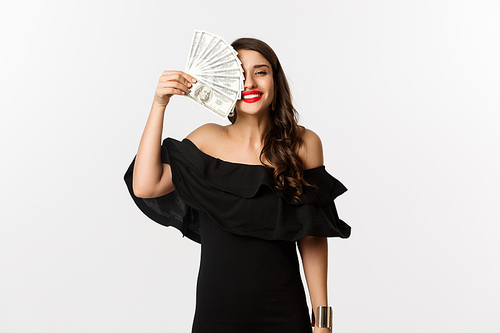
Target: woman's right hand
(172, 83)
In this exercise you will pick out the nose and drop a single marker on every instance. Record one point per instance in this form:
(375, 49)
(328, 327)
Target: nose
(249, 82)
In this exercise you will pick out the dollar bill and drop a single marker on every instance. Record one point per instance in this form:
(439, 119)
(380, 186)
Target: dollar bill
(213, 41)
(203, 38)
(217, 49)
(232, 82)
(211, 98)
(231, 93)
(217, 69)
(194, 43)
(224, 58)
(227, 72)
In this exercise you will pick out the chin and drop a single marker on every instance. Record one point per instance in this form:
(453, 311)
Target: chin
(243, 107)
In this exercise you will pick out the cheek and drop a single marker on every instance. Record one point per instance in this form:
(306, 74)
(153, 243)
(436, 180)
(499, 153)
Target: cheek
(270, 87)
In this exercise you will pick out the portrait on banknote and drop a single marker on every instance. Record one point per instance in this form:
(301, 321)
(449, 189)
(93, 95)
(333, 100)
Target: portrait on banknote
(203, 94)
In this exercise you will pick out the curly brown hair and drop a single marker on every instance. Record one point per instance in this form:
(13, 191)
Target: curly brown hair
(283, 140)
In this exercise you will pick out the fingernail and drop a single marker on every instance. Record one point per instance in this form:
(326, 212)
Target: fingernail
(189, 85)
(193, 80)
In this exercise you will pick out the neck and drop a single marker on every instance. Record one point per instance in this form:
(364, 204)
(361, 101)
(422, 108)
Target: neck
(250, 130)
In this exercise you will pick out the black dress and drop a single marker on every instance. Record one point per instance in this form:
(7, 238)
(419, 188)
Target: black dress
(249, 279)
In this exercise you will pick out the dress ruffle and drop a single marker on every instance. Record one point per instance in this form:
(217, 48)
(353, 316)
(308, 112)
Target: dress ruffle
(242, 199)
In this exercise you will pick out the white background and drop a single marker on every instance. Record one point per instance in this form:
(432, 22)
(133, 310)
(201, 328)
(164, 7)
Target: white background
(404, 94)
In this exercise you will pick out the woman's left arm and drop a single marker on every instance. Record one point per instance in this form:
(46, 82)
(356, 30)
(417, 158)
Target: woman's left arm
(314, 250)
(314, 253)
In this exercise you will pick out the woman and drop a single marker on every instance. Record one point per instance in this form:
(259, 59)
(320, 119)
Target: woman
(249, 192)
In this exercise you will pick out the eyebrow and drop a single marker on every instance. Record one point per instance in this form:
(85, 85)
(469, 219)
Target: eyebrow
(259, 66)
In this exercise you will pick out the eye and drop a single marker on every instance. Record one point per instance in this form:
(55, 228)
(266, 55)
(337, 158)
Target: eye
(261, 73)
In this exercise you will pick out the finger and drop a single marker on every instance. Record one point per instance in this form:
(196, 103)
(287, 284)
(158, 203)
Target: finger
(170, 91)
(169, 72)
(182, 77)
(175, 77)
(170, 77)
(189, 78)
(174, 84)
(179, 92)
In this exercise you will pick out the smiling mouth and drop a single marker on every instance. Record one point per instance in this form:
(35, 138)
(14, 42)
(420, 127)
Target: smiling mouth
(251, 96)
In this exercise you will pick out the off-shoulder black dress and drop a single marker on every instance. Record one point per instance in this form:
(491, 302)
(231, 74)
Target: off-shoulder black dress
(249, 279)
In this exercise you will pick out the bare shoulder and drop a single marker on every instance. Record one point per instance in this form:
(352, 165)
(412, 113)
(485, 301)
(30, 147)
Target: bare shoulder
(206, 134)
(311, 151)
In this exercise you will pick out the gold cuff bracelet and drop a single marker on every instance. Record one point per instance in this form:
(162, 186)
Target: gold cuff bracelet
(324, 316)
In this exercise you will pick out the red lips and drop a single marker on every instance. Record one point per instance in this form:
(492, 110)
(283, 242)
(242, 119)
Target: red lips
(251, 96)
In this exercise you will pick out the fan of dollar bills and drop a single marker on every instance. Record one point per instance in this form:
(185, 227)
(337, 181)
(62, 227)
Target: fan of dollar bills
(218, 72)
